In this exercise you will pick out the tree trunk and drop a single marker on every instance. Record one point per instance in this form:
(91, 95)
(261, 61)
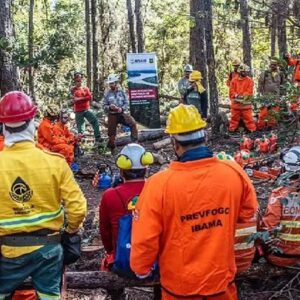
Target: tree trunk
(247, 51)
(9, 80)
(282, 12)
(212, 80)
(273, 30)
(131, 26)
(197, 39)
(30, 48)
(95, 49)
(88, 43)
(139, 26)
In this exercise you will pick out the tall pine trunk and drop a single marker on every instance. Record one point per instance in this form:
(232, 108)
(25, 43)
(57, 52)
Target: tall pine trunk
(88, 43)
(282, 12)
(95, 55)
(197, 38)
(131, 26)
(273, 31)
(9, 80)
(30, 48)
(247, 51)
(139, 26)
(212, 80)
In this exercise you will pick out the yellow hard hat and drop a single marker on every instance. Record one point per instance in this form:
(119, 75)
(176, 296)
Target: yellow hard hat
(183, 119)
(195, 76)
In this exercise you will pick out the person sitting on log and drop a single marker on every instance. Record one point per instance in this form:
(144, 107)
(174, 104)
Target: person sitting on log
(133, 162)
(116, 105)
(282, 217)
(45, 129)
(63, 138)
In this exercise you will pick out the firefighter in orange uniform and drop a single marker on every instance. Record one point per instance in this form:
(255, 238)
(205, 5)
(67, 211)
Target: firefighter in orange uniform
(186, 216)
(45, 130)
(243, 249)
(241, 91)
(63, 138)
(283, 213)
(294, 61)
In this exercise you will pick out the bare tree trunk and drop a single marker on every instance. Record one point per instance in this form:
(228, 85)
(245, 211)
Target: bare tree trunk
(139, 25)
(9, 80)
(247, 51)
(95, 49)
(273, 33)
(282, 12)
(30, 48)
(88, 43)
(213, 89)
(131, 26)
(197, 38)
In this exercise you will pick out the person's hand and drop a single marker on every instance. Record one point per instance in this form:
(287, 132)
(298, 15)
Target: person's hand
(120, 109)
(113, 107)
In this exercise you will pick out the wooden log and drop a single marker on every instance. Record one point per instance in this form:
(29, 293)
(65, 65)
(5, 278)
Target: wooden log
(160, 144)
(144, 135)
(105, 280)
(111, 281)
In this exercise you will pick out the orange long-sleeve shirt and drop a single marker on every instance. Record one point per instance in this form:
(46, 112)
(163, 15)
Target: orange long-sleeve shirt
(45, 133)
(240, 87)
(81, 92)
(295, 62)
(62, 134)
(186, 218)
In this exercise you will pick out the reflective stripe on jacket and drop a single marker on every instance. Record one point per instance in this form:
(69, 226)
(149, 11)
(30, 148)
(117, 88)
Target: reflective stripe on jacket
(34, 186)
(244, 250)
(186, 217)
(284, 211)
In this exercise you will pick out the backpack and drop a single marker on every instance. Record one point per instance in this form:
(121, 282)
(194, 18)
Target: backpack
(121, 264)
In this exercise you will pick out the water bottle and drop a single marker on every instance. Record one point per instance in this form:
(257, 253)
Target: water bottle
(126, 129)
(74, 167)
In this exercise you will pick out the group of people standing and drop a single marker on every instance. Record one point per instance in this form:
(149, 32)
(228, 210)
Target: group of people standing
(241, 91)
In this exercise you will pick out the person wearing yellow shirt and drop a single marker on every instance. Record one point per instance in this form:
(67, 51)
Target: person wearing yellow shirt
(37, 190)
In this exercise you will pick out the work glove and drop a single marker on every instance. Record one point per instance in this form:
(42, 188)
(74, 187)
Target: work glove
(71, 243)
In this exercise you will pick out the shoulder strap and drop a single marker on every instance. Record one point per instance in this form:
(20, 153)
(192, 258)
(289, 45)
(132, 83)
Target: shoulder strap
(121, 200)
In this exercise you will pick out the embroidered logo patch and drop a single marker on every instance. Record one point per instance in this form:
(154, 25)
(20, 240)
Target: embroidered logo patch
(20, 191)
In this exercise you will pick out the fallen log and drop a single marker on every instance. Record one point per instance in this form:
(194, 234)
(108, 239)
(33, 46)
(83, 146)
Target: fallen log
(111, 281)
(105, 280)
(144, 135)
(160, 144)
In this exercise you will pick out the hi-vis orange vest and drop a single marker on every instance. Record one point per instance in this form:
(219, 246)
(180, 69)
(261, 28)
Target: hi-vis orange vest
(284, 211)
(186, 218)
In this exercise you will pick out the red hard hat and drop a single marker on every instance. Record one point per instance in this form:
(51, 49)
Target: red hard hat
(16, 107)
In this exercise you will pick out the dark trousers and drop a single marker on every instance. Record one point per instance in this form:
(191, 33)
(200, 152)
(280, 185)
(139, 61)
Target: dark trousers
(124, 119)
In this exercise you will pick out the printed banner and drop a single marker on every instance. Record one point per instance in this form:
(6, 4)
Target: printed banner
(143, 88)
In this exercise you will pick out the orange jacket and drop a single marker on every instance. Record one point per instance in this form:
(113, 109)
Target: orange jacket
(62, 134)
(241, 86)
(81, 92)
(244, 250)
(1, 142)
(295, 62)
(232, 75)
(45, 133)
(284, 210)
(186, 217)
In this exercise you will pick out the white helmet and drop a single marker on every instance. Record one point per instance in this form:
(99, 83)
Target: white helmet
(134, 156)
(112, 78)
(292, 159)
(188, 68)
